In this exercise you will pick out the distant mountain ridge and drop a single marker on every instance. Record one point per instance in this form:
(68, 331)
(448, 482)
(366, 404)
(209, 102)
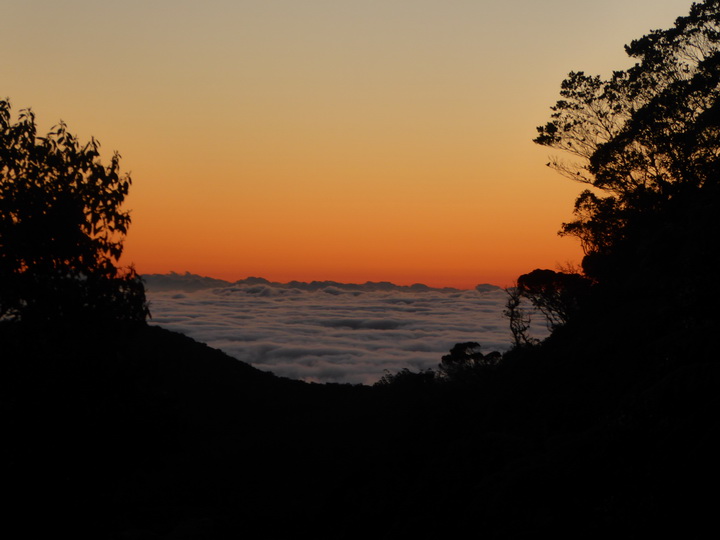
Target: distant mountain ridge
(189, 282)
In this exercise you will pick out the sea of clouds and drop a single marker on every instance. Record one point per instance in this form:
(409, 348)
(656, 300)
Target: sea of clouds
(328, 331)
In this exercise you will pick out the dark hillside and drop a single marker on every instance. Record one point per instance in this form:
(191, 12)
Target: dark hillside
(137, 432)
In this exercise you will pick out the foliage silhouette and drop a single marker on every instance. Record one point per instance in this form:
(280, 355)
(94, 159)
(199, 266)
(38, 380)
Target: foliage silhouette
(518, 318)
(466, 359)
(62, 228)
(557, 295)
(405, 377)
(649, 129)
(648, 142)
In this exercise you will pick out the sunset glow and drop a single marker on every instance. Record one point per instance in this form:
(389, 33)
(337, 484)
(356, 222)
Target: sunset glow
(325, 140)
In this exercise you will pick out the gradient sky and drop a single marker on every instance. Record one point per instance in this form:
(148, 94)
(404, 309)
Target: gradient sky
(325, 139)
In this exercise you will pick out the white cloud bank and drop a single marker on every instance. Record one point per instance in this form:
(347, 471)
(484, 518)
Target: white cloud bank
(327, 331)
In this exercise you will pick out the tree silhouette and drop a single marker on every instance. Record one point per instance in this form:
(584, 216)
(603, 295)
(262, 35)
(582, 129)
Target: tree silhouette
(653, 125)
(646, 134)
(61, 228)
(647, 140)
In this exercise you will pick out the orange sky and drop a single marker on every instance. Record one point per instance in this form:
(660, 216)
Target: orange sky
(346, 140)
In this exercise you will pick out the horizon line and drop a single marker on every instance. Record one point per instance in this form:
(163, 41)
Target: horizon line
(263, 280)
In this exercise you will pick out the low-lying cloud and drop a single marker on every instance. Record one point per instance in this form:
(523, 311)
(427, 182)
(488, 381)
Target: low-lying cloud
(327, 331)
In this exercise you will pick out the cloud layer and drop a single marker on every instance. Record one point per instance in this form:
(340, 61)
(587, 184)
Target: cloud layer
(327, 331)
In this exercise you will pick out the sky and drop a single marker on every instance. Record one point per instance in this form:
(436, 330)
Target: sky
(355, 141)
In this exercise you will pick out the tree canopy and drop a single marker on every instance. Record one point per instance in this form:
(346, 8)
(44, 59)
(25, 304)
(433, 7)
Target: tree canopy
(62, 227)
(647, 142)
(653, 127)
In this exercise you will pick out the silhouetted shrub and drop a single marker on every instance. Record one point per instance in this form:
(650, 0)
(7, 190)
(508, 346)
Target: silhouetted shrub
(518, 318)
(408, 378)
(556, 295)
(465, 360)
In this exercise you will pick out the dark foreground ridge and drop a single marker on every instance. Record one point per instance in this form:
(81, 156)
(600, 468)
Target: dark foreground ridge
(137, 432)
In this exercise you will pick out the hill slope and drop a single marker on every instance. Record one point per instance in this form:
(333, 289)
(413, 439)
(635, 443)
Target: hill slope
(136, 432)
